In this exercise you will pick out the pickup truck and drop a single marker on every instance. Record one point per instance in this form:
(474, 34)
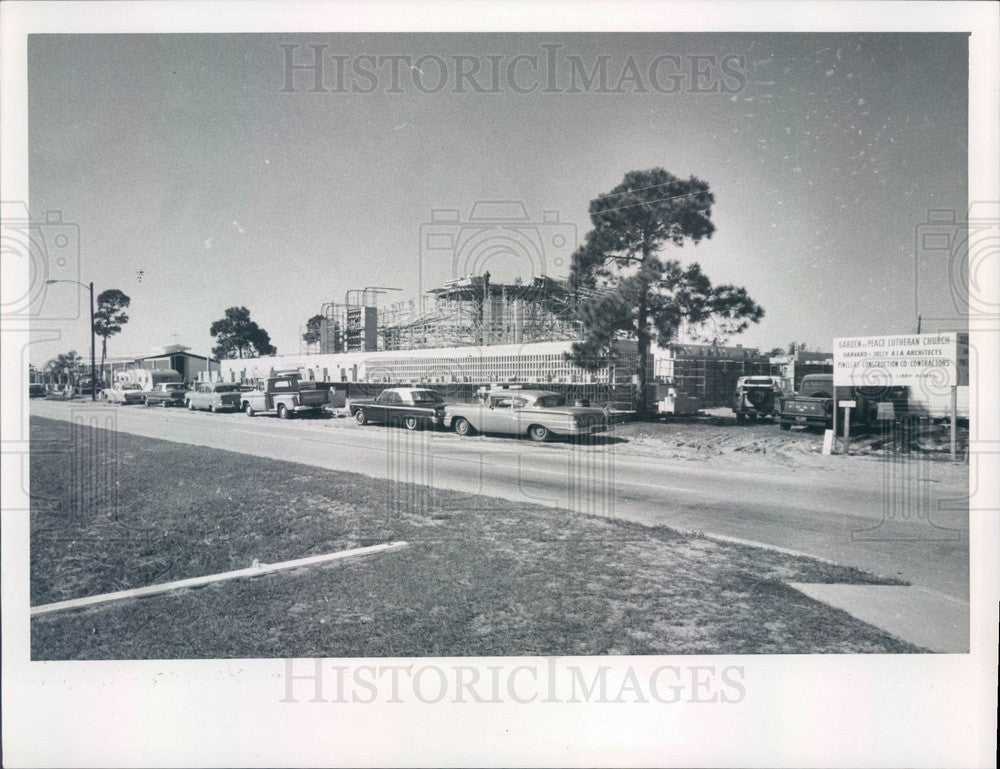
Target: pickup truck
(812, 405)
(412, 407)
(539, 414)
(284, 396)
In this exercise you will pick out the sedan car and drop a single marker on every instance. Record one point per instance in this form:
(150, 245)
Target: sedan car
(124, 392)
(213, 396)
(412, 407)
(166, 394)
(539, 414)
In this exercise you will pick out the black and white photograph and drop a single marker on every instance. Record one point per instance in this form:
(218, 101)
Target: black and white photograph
(534, 378)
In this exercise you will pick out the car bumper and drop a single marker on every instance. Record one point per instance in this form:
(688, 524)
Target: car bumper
(806, 419)
(579, 429)
(300, 408)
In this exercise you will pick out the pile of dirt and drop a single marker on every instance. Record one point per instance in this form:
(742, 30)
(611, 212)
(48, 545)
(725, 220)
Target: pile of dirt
(717, 437)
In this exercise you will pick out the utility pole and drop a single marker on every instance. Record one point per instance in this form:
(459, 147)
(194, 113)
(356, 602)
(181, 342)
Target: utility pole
(93, 357)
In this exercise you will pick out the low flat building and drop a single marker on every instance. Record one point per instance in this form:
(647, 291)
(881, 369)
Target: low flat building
(458, 368)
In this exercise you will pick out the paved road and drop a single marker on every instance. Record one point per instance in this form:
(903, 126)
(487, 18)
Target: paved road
(891, 518)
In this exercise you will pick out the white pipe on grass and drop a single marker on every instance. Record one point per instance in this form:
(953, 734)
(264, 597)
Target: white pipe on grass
(253, 571)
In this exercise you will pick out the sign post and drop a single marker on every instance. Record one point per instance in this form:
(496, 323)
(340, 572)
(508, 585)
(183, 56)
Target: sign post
(931, 363)
(847, 406)
(954, 418)
(833, 440)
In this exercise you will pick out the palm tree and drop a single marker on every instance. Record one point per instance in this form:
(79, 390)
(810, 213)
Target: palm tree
(64, 367)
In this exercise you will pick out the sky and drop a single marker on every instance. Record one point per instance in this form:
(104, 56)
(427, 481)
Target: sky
(200, 180)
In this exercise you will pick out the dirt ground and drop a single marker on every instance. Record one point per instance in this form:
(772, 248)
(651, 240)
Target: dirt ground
(715, 435)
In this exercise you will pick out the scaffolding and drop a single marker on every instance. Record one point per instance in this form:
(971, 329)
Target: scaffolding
(708, 372)
(475, 311)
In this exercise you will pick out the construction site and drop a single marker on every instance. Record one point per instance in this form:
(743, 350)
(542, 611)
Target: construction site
(471, 311)
(473, 331)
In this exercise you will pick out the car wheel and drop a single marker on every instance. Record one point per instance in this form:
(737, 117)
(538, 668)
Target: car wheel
(463, 426)
(211, 408)
(411, 423)
(282, 411)
(785, 426)
(740, 418)
(361, 418)
(538, 433)
(248, 409)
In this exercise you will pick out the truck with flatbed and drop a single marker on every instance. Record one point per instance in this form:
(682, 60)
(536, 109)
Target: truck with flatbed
(286, 395)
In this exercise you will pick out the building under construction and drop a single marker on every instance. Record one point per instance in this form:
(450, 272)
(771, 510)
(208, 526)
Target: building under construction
(471, 311)
(472, 331)
(476, 311)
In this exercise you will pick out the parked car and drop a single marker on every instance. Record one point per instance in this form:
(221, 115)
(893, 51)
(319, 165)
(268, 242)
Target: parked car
(166, 394)
(411, 407)
(760, 396)
(36, 390)
(123, 392)
(285, 396)
(539, 414)
(214, 396)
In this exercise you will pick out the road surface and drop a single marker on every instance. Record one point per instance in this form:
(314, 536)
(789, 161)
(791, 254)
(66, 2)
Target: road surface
(901, 519)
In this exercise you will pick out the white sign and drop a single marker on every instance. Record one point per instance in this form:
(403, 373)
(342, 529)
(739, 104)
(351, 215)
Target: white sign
(933, 360)
(847, 404)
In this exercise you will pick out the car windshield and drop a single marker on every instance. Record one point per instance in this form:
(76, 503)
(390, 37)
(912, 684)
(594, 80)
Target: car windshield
(550, 401)
(227, 388)
(130, 386)
(176, 386)
(426, 396)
